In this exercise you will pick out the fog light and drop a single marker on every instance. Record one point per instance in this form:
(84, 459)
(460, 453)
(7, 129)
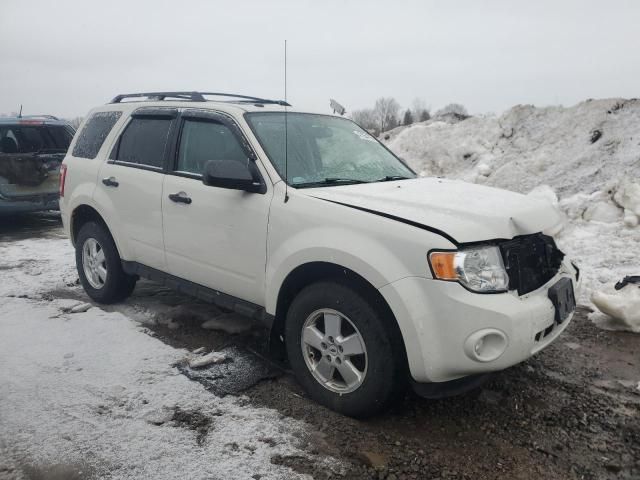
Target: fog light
(485, 345)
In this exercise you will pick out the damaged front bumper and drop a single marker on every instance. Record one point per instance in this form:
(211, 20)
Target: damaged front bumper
(451, 333)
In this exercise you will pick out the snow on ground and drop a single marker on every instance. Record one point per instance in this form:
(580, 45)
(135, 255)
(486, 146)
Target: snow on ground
(588, 155)
(93, 389)
(31, 266)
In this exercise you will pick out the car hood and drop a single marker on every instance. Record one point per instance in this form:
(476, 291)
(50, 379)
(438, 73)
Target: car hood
(462, 212)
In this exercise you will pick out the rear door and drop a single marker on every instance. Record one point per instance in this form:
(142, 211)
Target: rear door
(213, 236)
(130, 183)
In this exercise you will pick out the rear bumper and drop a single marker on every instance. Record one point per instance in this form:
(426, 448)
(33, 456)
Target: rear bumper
(33, 203)
(441, 322)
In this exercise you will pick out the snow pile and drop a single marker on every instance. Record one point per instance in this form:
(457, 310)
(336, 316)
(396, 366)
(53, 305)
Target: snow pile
(621, 308)
(82, 386)
(627, 195)
(585, 160)
(529, 146)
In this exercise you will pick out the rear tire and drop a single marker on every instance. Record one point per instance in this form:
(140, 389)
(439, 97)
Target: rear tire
(327, 325)
(99, 265)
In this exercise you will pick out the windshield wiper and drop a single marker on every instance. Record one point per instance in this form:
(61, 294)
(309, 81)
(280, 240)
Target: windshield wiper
(343, 180)
(330, 181)
(390, 178)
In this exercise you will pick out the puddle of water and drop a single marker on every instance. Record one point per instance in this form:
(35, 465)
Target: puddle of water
(241, 371)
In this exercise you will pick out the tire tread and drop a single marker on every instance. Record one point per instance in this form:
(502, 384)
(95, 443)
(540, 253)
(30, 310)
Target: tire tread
(385, 352)
(119, 285)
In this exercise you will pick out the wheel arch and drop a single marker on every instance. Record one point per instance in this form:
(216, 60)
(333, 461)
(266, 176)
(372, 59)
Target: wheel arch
(81, 215)
(312, 272)
(84, 213)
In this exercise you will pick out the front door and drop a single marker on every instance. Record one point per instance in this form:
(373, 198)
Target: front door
(213, 236)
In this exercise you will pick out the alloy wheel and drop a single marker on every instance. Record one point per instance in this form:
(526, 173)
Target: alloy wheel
(334, 351)
(94, 263)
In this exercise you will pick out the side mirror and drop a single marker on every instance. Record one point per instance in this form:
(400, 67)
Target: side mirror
(233, 175)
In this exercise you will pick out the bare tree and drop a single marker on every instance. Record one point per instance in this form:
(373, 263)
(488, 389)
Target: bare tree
(418, 104)
(365, 118)
(386, 111)
(75, 122)
(420, 110)
(455, 109)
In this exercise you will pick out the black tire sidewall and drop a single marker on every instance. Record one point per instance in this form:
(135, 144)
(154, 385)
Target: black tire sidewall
(118, 285)
(384, 377)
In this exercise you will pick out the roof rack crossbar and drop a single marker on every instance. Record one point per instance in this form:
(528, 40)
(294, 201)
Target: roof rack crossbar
(196, 97)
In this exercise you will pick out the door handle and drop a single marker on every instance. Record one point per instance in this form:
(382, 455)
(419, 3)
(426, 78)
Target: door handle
(110, 182)
(180, 197)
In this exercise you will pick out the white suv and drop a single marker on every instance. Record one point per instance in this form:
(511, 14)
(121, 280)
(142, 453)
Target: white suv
(370, 276)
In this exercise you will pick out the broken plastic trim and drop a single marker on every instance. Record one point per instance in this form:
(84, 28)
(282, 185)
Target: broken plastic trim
(629, 279)
(530, 261)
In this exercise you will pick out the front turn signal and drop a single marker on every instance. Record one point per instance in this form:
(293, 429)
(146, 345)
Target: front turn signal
(443, 265)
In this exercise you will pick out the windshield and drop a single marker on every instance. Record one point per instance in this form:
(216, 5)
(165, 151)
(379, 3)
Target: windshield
(324, 150)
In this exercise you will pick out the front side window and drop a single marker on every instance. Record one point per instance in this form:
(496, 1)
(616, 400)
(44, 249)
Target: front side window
(94, 133)
(202, 141)
(144, 141)
(324, 150)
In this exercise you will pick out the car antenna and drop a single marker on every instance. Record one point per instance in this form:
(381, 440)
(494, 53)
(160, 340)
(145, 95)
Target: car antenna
(286, 131)
(20, 114)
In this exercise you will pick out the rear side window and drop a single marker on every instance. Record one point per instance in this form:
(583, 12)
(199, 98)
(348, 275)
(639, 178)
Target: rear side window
(143, 142)
(94, 134)
(60, 136)
(202, 141)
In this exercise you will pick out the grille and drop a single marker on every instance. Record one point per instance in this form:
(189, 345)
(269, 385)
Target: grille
(531, 261)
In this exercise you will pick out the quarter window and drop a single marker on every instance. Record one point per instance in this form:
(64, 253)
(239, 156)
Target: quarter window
(94, 133)
(202, 141)
(144, 141)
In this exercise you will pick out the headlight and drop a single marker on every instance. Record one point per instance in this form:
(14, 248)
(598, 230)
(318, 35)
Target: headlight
(479, 269)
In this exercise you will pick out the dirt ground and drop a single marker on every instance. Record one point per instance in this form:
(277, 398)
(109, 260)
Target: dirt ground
(571, 412)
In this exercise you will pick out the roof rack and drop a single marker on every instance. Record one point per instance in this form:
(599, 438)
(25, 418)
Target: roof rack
(197, 97)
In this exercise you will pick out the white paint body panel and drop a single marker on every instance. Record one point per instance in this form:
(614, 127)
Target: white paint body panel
(247, 244)
(437, 317)
(466, 211)
(219, 239)
(133, 205)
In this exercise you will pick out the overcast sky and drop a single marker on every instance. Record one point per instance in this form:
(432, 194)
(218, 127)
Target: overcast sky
(64, 57)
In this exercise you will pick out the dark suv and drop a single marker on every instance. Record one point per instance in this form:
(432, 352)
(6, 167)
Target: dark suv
(31, 151)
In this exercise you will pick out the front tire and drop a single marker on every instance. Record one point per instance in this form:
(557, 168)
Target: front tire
(344, 349)
(99, 265)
